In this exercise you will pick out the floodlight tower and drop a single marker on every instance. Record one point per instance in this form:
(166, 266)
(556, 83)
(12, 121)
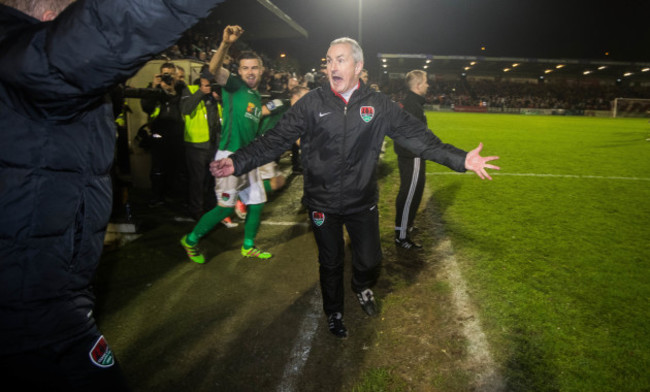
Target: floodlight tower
(360, 23)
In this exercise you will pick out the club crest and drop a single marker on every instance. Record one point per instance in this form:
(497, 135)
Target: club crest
(101, 355)
(318, 218)
(367, 113)
(225, 196)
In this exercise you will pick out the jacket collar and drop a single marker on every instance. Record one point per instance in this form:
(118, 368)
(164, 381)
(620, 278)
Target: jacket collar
(418, 98)
(11, 19)
(361, 91)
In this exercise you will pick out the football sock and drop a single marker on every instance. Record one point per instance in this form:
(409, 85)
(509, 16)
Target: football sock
(252, 224)
(207, 222)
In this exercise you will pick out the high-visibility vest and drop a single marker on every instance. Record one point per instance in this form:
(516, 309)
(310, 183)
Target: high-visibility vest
(197, 129)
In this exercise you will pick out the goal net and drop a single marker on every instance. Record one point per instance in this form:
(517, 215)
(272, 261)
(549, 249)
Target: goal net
(631, 107)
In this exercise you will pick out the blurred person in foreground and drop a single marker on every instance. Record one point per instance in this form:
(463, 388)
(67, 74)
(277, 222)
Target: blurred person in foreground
(60, 59)
(341, 127)
(412, 168)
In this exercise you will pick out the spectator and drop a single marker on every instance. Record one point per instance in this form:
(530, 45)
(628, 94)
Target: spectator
(364, 76)
(57, 145)
(340, 181)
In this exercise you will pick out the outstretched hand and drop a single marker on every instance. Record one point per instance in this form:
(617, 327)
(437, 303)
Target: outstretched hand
(222, 168)
(476, 163)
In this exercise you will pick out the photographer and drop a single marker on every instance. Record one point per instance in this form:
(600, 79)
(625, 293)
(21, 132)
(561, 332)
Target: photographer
(162, 102)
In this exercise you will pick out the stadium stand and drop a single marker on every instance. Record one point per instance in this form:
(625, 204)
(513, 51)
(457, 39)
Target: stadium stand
(549, 86)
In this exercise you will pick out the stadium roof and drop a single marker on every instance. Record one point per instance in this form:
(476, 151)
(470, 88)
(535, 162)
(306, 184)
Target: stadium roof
(515, 67)
(261, 19)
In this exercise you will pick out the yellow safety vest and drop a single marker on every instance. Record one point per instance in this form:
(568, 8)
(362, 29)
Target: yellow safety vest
(197, 129)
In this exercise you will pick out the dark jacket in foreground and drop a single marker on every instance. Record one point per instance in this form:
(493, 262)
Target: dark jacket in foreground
(341, 145)
(56, 148)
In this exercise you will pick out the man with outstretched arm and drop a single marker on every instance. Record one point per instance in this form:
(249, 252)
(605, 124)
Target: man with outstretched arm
(341, 126)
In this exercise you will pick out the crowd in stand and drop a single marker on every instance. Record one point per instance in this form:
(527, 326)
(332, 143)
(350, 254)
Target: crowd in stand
(200, 47)
(532, 95)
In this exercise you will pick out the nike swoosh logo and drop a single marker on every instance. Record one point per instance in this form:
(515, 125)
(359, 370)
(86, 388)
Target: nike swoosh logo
(323, 114)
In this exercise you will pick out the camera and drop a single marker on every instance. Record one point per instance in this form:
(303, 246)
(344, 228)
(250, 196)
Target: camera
(167, 78)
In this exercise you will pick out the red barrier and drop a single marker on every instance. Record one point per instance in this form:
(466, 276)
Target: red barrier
(473, 109)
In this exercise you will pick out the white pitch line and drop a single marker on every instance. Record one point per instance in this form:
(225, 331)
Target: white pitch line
(479, 360)
(302, 346)
(544, 175)
(273, 223)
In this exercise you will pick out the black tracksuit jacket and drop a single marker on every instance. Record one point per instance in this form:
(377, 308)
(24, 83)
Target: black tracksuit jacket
(57, 137)
(411, 104)
(341, 144)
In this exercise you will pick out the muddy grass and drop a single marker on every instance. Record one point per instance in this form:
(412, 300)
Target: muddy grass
(238, 325)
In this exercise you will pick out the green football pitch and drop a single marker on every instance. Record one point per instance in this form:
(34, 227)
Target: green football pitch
(556, 249)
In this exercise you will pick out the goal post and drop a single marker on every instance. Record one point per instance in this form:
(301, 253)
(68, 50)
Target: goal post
(631, 107)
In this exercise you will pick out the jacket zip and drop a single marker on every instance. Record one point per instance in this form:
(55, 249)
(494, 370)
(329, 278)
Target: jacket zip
(342, 182)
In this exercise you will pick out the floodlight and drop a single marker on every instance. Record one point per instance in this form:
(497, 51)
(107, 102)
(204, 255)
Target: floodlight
(601, 67)
(645, 70)
(628, 74)
(586, 72)
(548, 71)
(559, 66)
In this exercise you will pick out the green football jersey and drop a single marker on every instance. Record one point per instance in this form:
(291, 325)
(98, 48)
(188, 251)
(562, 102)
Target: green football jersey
(242, 111)
(269, 121)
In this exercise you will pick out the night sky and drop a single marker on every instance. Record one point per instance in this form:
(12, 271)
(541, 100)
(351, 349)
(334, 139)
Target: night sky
(510, 28)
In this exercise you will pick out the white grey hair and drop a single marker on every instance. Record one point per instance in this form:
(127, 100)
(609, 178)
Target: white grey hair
(357, 52)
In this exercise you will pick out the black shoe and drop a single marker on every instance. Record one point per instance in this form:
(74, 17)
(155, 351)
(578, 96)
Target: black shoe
(335, 324)
(367, 300)
(407, 244)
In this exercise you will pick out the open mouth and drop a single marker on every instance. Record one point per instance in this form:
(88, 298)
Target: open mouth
(337, 79)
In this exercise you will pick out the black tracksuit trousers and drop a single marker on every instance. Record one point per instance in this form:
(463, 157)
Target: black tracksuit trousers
(412, 172)
(363, 229)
